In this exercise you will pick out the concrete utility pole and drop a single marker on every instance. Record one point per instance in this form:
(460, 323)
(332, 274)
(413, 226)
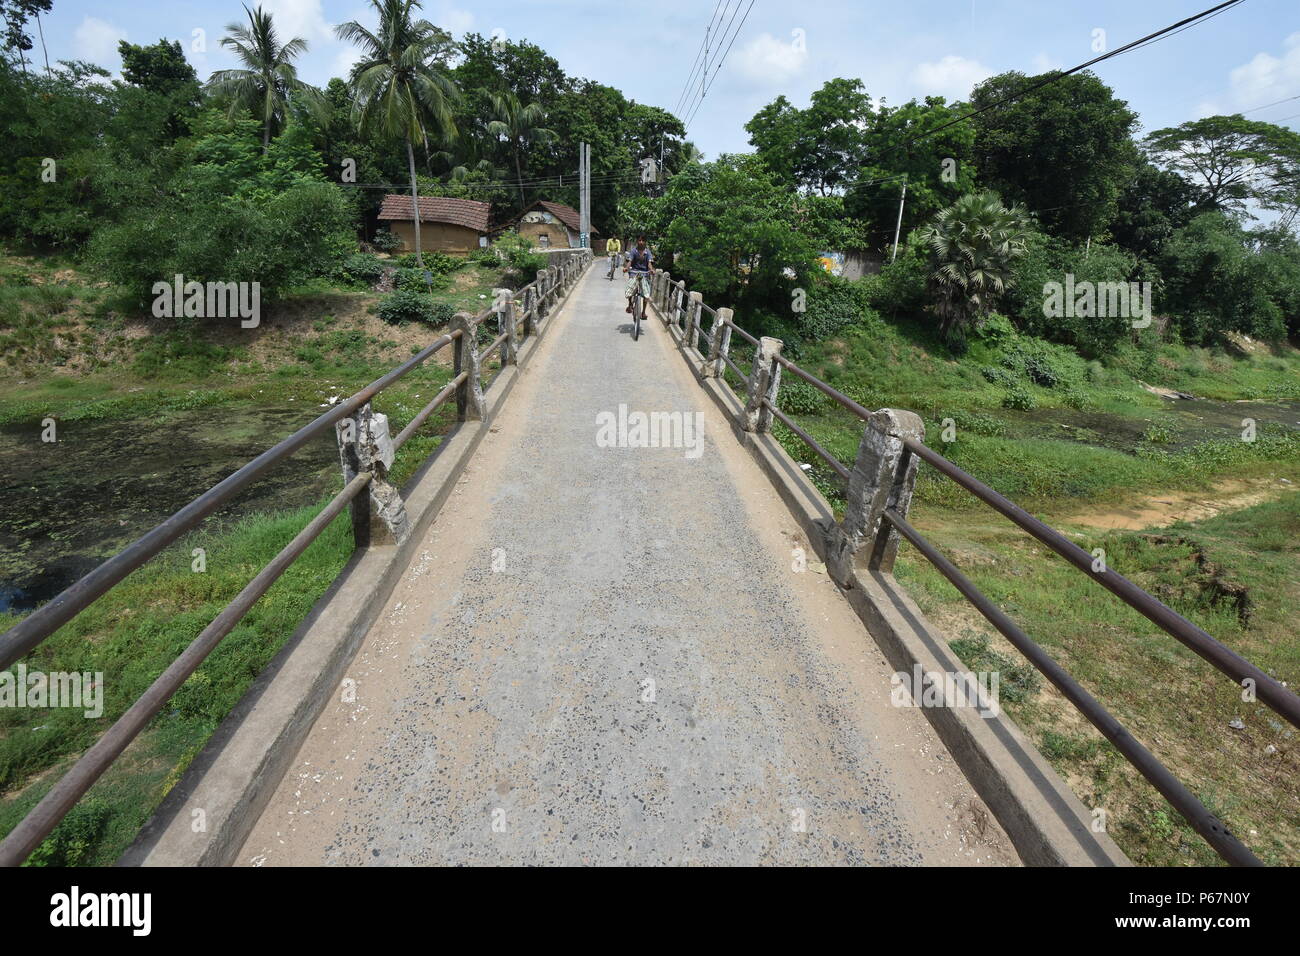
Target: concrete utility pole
(898, 227)
(584, 193)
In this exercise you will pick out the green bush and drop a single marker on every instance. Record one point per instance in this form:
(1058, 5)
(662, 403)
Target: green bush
(1019, 398)
(1050, 260)
(406, 306)
(484, 256)
(385, 241)
(519, 255)
(900, 286)
(362, 268)
(831, 306)
(413, 280)
(799, 398)
(279, 242)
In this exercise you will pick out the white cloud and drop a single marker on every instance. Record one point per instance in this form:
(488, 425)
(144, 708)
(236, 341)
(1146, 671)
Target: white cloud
(454, 20)
(766, 59)
(96, 40)
(347, 57)
(1043, 63)
(297, 18)
(1264, 79)
(952, 77)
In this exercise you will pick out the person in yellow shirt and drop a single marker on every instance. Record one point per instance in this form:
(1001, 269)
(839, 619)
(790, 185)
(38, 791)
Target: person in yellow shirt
(614, 249)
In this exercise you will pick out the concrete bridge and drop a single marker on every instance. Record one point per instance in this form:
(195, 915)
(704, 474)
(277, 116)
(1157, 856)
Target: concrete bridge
(591, 652)
(611, 621)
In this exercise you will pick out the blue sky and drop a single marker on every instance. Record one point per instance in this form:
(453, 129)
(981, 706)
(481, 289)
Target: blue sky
(1246, 57)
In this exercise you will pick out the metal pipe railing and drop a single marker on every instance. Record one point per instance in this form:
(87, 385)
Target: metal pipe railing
(1215, 832)
(29, 632)
(45, 620)
(1268, 690)
(45, 816)
(808, 440)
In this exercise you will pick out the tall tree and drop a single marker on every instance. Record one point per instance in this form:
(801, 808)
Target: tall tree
(1233, 160)
(15, 14)
(518, 126)
(1064, 150)
(819, 148)
(401, 86)
(160, 68)
(268, 80)
(937, 167)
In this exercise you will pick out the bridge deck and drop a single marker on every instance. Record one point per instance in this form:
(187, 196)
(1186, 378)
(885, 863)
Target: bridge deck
(501, 715)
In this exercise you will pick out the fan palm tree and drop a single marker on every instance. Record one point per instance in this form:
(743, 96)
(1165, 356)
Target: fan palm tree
(519, 127)
(399, 86)
(268, 80)
(973, 245)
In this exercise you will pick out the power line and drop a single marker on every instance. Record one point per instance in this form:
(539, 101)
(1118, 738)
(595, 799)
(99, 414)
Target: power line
(1267, 105)
(1056, 77)
(681, 98)
(709, 84)
(705, 81)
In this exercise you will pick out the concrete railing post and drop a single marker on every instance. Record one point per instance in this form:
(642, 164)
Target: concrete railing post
(719, 345)
(530, 310)
(465, 358)
(691, 335)
(678, 302)
(661, 290)
(378, 517)
(764, 382)
(882, 477)
(539, 297)
(505, 309)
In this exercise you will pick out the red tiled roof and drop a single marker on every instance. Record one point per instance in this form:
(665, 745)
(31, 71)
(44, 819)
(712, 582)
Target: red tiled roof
(458, 212)
(566, 214)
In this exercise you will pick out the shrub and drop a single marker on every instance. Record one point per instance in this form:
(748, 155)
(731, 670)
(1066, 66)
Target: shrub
(832, 305)
(1019, 398)
(406, 306)
(413, 280)
(1050, 260)
(998, 376)
(996, 330)
(484, 256)
(519, 255)
(385, 241)
(799, 398)
(900, 286)
(362, 268)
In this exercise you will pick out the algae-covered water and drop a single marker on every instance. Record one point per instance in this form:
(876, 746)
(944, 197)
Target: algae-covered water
(66, 506)
(1185, 422)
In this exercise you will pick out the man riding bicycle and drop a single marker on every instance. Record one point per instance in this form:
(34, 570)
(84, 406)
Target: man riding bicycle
(614, 249)
(639, 267)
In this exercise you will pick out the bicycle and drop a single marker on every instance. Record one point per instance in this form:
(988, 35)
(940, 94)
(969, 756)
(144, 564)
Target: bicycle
(638, 307)
(613, 264)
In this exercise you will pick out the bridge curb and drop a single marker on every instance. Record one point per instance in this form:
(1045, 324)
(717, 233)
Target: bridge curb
(1047, 823)
(230, 782)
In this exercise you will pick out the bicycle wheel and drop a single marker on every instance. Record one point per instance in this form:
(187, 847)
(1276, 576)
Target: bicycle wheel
(638, 305)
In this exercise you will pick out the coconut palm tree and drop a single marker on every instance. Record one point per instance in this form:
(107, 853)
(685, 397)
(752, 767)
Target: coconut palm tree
(399, 85)
(519, 127)
(973, 245)
(268, 80)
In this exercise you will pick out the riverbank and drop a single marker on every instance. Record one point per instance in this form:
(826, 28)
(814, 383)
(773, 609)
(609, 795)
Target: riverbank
(1194, 499)
(145, 420)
